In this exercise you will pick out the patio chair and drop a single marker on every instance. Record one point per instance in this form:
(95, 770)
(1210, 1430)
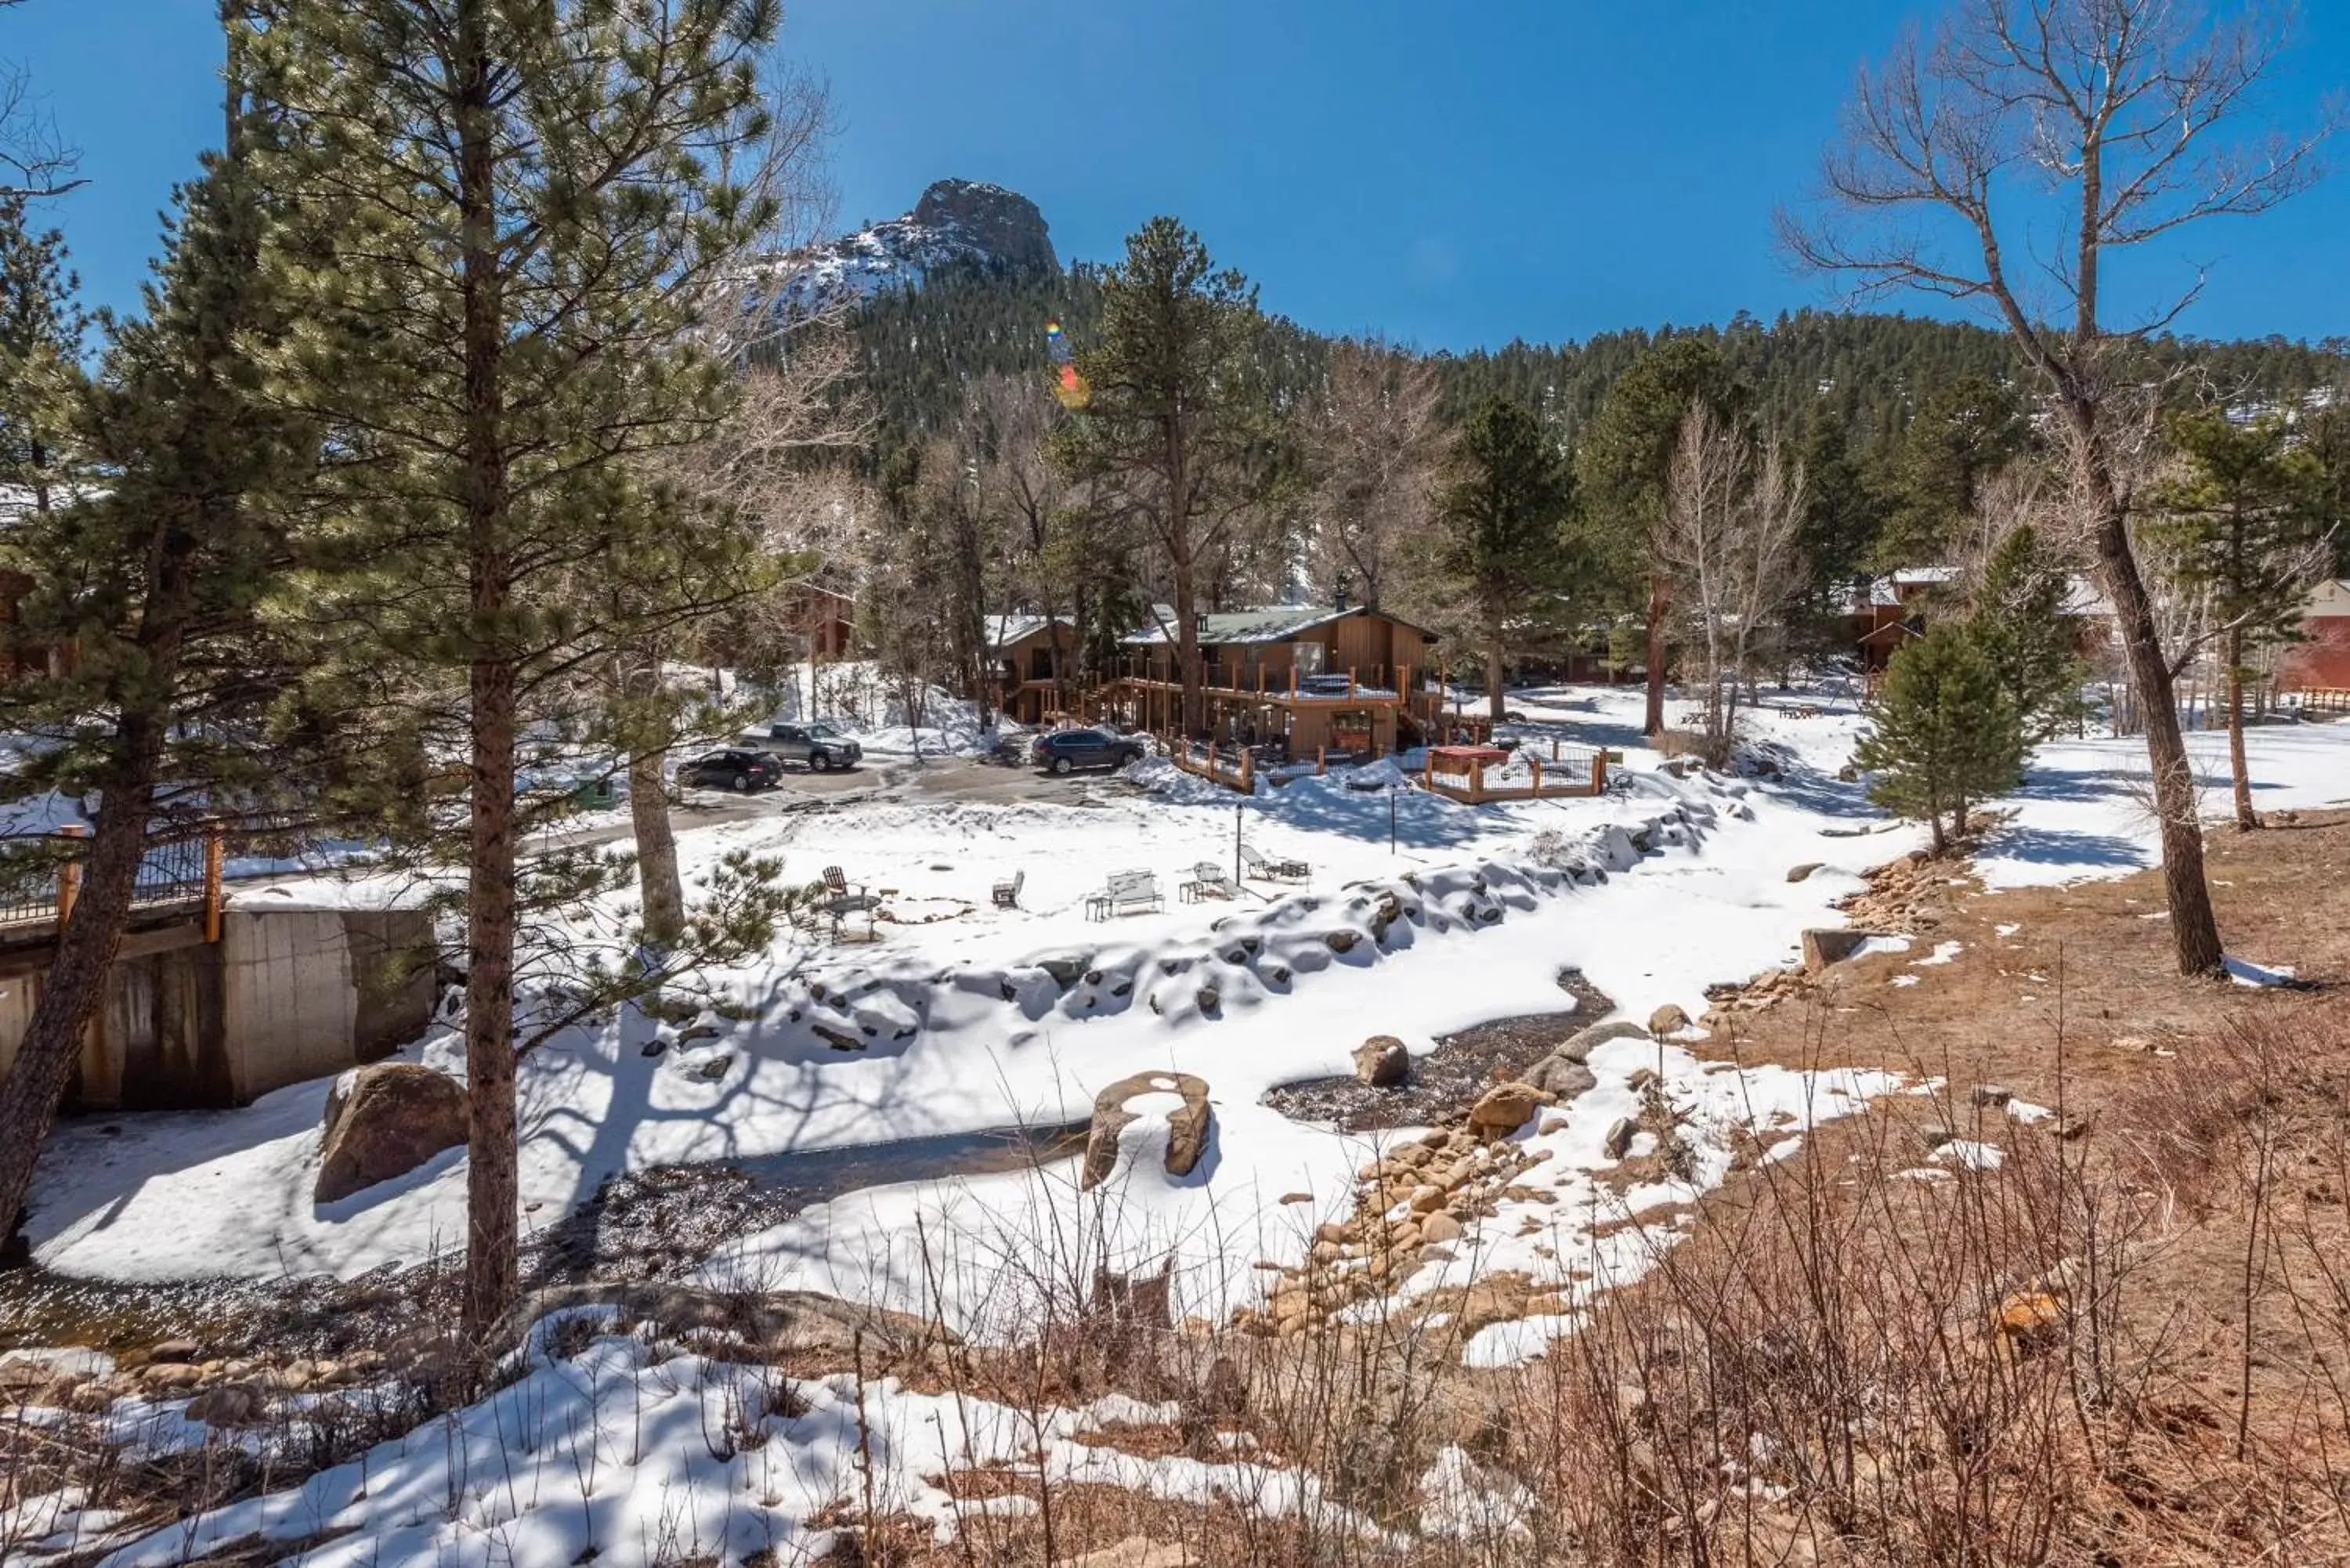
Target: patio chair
(841, 900)
(1007, 893)
(1209, 881)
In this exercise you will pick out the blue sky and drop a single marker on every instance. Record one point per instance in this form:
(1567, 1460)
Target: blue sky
(1453, 174)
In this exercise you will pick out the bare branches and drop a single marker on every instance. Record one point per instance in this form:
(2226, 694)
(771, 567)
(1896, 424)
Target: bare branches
(36, 161)
(1733, 516)
(1375, 450)
(2050, 129)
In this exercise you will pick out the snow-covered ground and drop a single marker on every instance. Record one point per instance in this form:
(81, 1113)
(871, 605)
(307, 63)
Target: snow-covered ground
(937, 1047)
(963, 1016)
(955, 1021)
(2087, 812)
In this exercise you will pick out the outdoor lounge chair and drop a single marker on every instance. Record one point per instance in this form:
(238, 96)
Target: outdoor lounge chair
(1209, 881)
(1128, 892)
(1007, 893)
(1269, 870)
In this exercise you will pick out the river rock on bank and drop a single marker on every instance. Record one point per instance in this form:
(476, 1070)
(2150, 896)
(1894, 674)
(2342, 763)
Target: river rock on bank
(1382, 1062)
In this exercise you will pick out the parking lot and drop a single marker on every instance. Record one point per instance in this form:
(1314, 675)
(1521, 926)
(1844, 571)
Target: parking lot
(942, 778)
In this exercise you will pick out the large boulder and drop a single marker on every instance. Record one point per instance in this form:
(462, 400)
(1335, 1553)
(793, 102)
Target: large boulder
(1382, 1062)
(384, 1121)
(1825, 945)
(1505, 1109)
(1560, 1078)
(1187, 1125)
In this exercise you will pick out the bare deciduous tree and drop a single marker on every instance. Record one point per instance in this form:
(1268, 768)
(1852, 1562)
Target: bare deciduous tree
(1733, 512)
(35, 160)
(2114, 120)
(1374, 448)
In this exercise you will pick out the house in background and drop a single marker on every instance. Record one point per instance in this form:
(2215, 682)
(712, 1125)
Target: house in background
(1892, 612)
(1887, 615)
(1343, 680)
(1031, 660)
(2321, 662)
(821, 622)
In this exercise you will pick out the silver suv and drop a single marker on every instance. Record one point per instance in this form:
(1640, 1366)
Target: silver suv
(819, 745)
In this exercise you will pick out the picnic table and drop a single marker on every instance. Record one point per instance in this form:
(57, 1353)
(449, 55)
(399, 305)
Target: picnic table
(1464, 756)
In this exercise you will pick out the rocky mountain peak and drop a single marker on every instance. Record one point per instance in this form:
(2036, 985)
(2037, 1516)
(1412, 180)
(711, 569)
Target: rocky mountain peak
(957, 222)
(1003, 223)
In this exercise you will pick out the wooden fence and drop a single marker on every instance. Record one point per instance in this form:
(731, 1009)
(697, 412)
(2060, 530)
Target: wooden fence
(1569, 771)
(1232, 766)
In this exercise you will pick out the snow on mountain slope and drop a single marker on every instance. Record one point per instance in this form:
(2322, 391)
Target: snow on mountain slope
(957, 222)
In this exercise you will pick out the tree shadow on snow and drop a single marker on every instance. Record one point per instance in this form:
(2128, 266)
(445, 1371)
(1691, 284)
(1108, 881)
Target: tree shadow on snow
(2047, 846)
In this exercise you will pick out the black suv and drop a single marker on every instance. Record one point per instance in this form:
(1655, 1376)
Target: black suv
(820, 746)
(733, 768)
(1066, 749)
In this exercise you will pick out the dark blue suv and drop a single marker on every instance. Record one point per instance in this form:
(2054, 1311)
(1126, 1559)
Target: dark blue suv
(1064, 749)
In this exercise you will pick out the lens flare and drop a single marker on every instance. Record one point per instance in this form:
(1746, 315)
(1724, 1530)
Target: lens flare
(1068, 385)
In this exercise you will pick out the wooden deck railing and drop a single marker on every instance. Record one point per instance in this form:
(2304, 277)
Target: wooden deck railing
(45, 884)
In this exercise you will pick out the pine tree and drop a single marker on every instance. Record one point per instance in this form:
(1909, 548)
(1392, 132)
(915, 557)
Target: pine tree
(1620, 468)
(178, 710)
(513, 216)
(2326, 436)
(41, 329)
(1960, 436)
(2017, 616)
(1503, 511)
(1944, 734)
(2247, 529)
(1844, 511)
(1180, 433)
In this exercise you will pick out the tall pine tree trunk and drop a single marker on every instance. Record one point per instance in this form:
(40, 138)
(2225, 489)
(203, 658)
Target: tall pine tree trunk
(492, 1172)
(493, 1185)
(659, 886)
(1496, 676)
(1659, 603)
(2194, 932)
(2247, 820)
(1187, 652)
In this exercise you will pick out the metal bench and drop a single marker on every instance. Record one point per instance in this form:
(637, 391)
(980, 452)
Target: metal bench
(1127, 893)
